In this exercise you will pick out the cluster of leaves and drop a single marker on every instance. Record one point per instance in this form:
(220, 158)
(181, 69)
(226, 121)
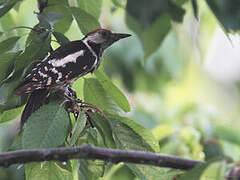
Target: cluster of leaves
(48, 127)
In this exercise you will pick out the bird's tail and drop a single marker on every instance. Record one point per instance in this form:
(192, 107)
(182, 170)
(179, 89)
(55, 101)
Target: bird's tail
(35, 101)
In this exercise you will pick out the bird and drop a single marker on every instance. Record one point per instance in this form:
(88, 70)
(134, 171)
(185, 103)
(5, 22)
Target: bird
(57, 71)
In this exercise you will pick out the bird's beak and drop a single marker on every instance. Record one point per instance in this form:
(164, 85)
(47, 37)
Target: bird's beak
(118, 36)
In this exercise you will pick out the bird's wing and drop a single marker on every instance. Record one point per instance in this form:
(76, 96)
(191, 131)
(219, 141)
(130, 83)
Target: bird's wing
(64, 65)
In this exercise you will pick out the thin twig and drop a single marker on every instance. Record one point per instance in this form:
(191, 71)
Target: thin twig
(91, 152)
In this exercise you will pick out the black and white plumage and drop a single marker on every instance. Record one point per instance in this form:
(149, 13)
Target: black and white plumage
(66, 64)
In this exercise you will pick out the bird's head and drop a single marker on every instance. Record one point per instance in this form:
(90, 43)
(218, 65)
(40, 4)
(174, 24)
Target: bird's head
(104, 38)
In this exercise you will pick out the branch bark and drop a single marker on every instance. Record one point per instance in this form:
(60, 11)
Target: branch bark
(91, 152)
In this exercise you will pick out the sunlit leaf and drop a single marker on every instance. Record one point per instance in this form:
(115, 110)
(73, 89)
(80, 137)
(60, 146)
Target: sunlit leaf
(95, 94)
(47, 127)
(112, 90)
(92, 7)
(86, 22)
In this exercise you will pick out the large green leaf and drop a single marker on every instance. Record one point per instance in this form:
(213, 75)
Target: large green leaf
(47, 127)
(37, 48)
(94, 93)
(6, 5)
(86, 22)
(92, 7)
(142, 132)
(227, 13)
(153, 23)
(112, 90)
(8, 44)
(46, 171)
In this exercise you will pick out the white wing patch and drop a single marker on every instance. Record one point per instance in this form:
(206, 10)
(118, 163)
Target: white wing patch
(70, 58)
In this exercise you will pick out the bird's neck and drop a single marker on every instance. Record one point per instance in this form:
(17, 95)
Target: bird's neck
(98, 50)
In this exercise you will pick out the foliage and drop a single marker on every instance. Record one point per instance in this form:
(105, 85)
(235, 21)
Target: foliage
(156, 61)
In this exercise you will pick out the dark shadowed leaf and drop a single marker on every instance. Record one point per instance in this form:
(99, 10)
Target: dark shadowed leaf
(92, 7)
(6, 5)
(227, 13)
(86, 22)
(8, 44)
(6, 64)
(113, 91)
(46, 171)
(65, 22)
(48, 20)
(47, 127)
(61, 39)
(153, 23)
(78, 128)
(104, 127)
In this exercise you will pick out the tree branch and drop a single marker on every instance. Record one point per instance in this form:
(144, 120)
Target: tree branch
(91, 152)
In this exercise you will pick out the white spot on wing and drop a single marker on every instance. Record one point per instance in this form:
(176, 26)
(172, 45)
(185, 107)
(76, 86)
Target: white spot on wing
(42, 74)
(85, 67)
(70, 58)
(49, 81)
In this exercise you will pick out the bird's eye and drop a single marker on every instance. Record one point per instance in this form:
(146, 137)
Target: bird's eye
(104, 33)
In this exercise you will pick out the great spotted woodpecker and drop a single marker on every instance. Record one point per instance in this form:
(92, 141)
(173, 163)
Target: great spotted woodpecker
(63, 66)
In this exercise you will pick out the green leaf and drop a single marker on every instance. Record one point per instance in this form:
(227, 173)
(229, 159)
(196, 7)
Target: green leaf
(10, 114)
(37, 47)
(92, 7)
(6, 6)
(104, 127)
(197, 172)
(117, 3)
(78, 128)
(8, 44)
(95, 94)
(154, 173)
(227, 12)
(61, 39)
(144, 133)
(48, 20)
(65, 22)
(46, 171)
(86, 22)
(152, 24)
(6, 64)
(91, 169)
(113, 91)
(47, 127)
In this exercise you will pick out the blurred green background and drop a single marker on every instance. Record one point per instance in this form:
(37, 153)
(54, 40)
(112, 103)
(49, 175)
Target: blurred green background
(186, 91)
